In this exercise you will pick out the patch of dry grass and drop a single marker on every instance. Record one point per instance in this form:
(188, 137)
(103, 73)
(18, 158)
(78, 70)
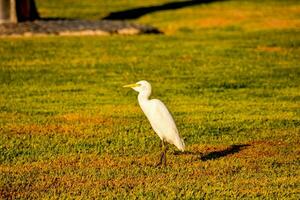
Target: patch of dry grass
(224, 169)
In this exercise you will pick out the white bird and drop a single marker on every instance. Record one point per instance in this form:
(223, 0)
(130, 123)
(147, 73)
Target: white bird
(159, 117)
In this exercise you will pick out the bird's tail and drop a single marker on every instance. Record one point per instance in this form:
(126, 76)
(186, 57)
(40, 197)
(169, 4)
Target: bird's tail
(180, 144)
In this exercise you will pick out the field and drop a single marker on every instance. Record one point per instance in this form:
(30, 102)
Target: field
(228, 71)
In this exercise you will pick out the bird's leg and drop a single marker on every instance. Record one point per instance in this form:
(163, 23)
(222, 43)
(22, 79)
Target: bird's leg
(163, 155)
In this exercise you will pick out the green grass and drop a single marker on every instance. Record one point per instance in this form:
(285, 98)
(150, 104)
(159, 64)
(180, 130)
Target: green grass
(228, 71)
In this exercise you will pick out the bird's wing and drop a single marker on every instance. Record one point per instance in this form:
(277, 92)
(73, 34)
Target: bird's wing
(162, 121)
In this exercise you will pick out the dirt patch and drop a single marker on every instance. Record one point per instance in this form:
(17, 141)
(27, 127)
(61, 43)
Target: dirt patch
(270, 49)
(78, 118)
(214, 22)
(40, 129)
(277, 24)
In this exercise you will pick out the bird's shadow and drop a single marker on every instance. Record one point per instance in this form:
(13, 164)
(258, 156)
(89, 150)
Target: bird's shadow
(233, 149)
(140, 11)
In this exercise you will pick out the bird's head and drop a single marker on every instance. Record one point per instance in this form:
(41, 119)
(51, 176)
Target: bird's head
(142, 87)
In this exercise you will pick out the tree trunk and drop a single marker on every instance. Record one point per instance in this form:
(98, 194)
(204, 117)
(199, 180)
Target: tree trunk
(13, 11)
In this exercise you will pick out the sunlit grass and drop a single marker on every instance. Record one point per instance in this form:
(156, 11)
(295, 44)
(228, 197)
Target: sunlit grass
(69, 130)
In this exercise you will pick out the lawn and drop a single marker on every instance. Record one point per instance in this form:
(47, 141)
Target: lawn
(228, 71)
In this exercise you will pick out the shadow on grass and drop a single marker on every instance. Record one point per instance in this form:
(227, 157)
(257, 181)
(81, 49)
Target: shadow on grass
(139, 12)
(216, 154)
(222, 153)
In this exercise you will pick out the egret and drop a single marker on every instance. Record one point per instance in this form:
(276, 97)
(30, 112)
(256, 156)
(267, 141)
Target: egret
(159, 117)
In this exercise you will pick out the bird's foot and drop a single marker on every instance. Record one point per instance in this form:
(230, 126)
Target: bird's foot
(161, 164)
(163, 161)
(158, 164)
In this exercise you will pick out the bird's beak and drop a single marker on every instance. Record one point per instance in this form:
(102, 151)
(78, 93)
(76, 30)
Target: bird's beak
(132, 85)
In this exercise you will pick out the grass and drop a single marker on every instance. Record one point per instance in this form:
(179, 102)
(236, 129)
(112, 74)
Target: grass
(229, 72)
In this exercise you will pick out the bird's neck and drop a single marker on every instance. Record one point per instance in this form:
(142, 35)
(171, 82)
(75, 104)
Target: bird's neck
(143, 102)
(143, 97)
